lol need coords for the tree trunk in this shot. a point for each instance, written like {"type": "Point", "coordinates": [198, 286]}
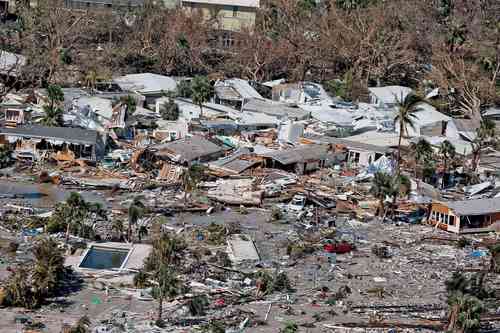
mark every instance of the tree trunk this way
{"type": "Point", "coordinates": [381, 207]}
{"type": "Point", "coordinates": [129, 230]}
{"type": "Point", "coordinates": [453, 317]}
{"type": "Point", "coordinates": [398, 161]}
{"type": "Point", "coordinates": [67, 233]}
{"type": "Point", "coordinates": [185, 196]}
{"type": "Point", "coordinates": [201, 110]}
{"type": "Point", "coordinates": [475, 159]}
{"type": "Point", "coordinates": [445, 167]}
{"type": "Point", "coordinates": [160, 308]}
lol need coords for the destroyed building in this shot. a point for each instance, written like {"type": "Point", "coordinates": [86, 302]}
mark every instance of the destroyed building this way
{"type": "Point", "coordinates": [189, 150]}
{"type": "Point", "coordinates": [35, 142]}
{"type": "Point", "coordinates": [300, 159]}
{"type": "Point", "coordinates": [469, 216]}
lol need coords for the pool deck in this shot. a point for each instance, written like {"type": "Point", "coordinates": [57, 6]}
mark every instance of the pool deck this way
{"type": "Point", "coordinates": [134, 260]}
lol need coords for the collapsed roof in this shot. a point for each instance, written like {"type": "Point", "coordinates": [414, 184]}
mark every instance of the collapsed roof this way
{"type": "Point", "coordinates": [299, 154]}
{"type": "Point", "coordinates": [188, 149]}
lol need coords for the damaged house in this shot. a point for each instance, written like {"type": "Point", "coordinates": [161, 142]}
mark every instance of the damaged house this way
{"type": "Point", "coordinates": [388, 96]}
{"type": "Point", "coordinates": [37, 142]}
{"type": "Point", "coordinates": [189, 150]}
{"type": "Point", "coordinates": [234, 92]}
{"type": "Point", "coordinates": [298, 93]}
{"type": "Point", "coordinates": [240, 160]}
{"type": "Point", "coordinates": [274, 110]}
{"type": "Point", "coordinates": [300, 159]}
{"type": "Point", "coordinates": [357, 153]}
{"type": "Point", "coordinates": [150, 86]}
{"type": "Point", "coordinates": [470, 216]}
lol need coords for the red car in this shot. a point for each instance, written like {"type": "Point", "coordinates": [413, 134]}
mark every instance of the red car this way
{"type": "Point", "coordinates": [338, 248]}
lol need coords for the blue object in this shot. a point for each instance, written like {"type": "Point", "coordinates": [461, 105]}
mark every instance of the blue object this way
{"type": "Point", "coordinates": [478, 253]}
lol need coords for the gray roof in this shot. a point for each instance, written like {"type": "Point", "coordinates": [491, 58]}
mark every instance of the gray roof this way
{"type": "Point", "coordinates": [66, 134]}
{"type": "Point", "coordinates": [234, 163]}
{"type": "Point", "coordinates": [188, 149]}
{"type": "Point", "coordinates": [350, 144]}
{"type": "Point", "coordinates": [466, 125]}
{"type": "Point", "coordinates": [276, 109]}
{"type": "Point", "coordinates": [475, 207]}
{"type": "Point", "coordinates": [235, 89]}
{"type": "Point", "coordinates": [299, 154]}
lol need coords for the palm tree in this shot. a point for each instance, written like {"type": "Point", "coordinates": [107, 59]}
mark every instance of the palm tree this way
{"type": "Point", "coordinates": [53, 111]}
{"type": "Point", "coordinates": [55, 95]}
{"type": "Point", "coordinates": [48, 270]}
{"type": "Point", "coordinates": [167, 286]}
{"type": "Point", "coordinates": [19, 290]}
{"type": "Point", "coordinates": [447, 151]}
{"type": "Point", "coordinates": [401, 186]}
{"type": "Point", "coordinates": [422, 150]}
{"type": "Point", "coordinates": [290, 327]}
{"type": "Point", "coordinates": [117, 228]}
{"type": "Point", "coordinates": [166, 249]}
{"type": "Point", "coordinates": [170, 110]}
{"type": "Point", "coordinates": [465, 313]}
{"type": "Point", "coordinates": [74, 212]}
{"type": "Point", "coordinates": [184, 89]}
{"type": "Point", "coordinates": [52, 117]}
{"type": "Point", "coordinates": [160, 264]}
{"type": "Point", "coordinates": [485, 136]}
{"type": "Point", "coordinates": [381, 188]}
{"type": "Point", "coordinates": [135, 211]}
{"type": "Point", "coordinates": [202, 90]}
{"type": "Point", "coordinates": [141, 279]}
{"type": "Point", "coordinates": [457, 35]}
{"type": "Point", "coordinates": [142, 232]}
{"type": "Point", "coordinates": [190, 178]}
{"type": "Point", "coordinates": [407, 108]}
{"type": "Point", "coordinates": [131, 104]}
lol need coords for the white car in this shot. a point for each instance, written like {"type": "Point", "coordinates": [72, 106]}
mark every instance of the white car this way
{"type": "Point", "coordinates": [298, 203]}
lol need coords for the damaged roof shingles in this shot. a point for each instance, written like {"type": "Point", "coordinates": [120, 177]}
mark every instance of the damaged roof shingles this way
{"type": "Point", "coordinates": [299, 154]}
{"type": "Point", "coordinates": [189, 149]}
{"type": "Point", "coordinates": [234, 163]}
